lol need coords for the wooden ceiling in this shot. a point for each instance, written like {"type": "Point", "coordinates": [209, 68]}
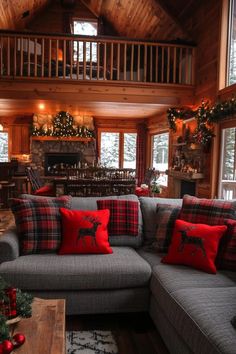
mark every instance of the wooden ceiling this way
{"type": "Point", "coordinates": [144, 19]}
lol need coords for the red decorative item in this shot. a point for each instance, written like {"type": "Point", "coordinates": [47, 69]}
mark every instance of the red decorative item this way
{"type": "Point", "coordinates": [18, 340]}
{"type": "Point", "coordinates": [1, 348]}
{"type": "Point", "coordinates": [8, 308]}
{"type": "Point", "coordinates": [7, 347]}
{"type": "Point", "coordinates": [195, 245]}
{"type": "Point", "coordinates": [84, 231]}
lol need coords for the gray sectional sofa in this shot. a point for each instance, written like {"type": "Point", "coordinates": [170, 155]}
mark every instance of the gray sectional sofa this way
{"type": "Point", "coordinates": [191, 309]}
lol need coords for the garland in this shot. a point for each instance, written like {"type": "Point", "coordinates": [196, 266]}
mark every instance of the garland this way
{"type": "Point", "coordinates": [23, 307]}
{"type": "Point", "coordinates": [63, 126]}
{"type": "Point", "coordinates": [204, 116]}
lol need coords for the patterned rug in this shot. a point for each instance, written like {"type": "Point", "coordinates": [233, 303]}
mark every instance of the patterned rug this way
{"type": "Point", "coordinates": [91, 342]}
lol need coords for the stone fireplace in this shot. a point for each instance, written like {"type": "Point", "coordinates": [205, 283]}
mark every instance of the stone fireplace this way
{"type": "Point", "coordinates": [66, 153]}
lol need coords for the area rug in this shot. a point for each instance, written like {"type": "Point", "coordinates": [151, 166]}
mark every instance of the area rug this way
{"type": "Point", "coordinates": [91, 342]}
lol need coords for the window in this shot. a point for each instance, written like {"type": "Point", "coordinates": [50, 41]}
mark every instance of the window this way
{"type": "Point", "coordinates": [118, 149]}
{"type": "Point", "coordinates": [85, 28]}
{"type": "Point", "coordinates": [227, 179]}
{"type": "Point", "coordinates": [160, 144]}
{"type": "Point", "coordinates": [231, 79]}
{"type": "Point", "coordinates": [3, 146]}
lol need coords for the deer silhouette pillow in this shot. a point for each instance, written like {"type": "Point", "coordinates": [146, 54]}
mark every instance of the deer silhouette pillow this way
{"type": "Point", "coordinates": [84, 232]}
{"type": "Point", "coordinates": [195, 245]}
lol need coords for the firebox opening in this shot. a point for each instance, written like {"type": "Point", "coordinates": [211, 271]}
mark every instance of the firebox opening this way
{"type": "Point", "coordinates": [57, 163]}
{"type": "Point", "coordinates": [187, 187]}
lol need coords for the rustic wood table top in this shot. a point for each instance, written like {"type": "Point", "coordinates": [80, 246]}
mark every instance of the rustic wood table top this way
{"type": "Point", "coordinates": [45, 330]}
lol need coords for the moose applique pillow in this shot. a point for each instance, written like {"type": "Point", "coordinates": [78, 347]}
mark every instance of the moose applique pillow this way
{"type": "Point", "coordinates": [195, 245]}
{"type": "Point", "coordinates": [84, 232]}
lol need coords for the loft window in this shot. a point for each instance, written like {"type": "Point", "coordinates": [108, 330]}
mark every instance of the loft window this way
{"type": "Point", "coordinates": [118, 149]}
{"type": "Point", "coordinates": [160, 152]}
{"type": "Point", "coordinates": [231, 72]}
{"type": "Point", "coordinates": [85, 28]}
{"type": "Point", "coordinates": [3, 146]}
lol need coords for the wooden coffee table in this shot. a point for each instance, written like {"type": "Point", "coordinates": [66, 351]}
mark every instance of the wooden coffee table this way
{"type": "Point", "coordinates": [45, 330]}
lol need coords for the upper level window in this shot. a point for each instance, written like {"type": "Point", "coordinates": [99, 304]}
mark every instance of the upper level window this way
{"type": "Point", "coordinates": [85, 28]}
{"type": "Point", "coordinates": [160, 148]}
{"type": "Point", "coordinates": [118, 149]}
{"type": "Point", "coordinates": [231, 72]}
{"type": "Point", "coordinates": [3, 146]}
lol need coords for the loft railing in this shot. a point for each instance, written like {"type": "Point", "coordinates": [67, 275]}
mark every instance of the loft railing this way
{"type": "Point", "coordinates": [71, 57]}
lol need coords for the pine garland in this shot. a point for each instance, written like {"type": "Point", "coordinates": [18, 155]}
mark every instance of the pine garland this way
{"type": "Point", "coordinates": [63, 126]}
{"type": "Point", "coordinates": [205, 116]}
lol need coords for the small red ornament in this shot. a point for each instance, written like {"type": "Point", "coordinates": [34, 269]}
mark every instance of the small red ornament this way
{"type": "Point", "coordinates": [7, 347]}
{"type": "Point", "coordinates": [1, 348]}
{"type": "Point", "coordinates": [18, 340]}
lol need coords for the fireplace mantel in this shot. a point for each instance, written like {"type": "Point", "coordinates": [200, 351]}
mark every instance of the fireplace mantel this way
{"type": "Point", "coordinates": [54, 138]}
{"type": "Point", "coordinates": [187, 176]}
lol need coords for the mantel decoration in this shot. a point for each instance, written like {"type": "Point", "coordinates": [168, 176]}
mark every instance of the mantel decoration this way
{"type": "Point", "coordinates": [205, 116]}
{"type": "Point", "coordinates": [14, 304]}
{"type": "Point", "coordinates": [63, 125]}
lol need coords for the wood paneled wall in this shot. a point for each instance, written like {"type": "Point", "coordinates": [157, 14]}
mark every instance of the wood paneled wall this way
{"type": "Point", "coordinates": [57, 18]}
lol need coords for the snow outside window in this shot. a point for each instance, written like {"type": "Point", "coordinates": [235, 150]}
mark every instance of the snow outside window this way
{"type": "Point", "coordinates": [227, 178]}
{"type": "Point", "coordinates": [160, 147]}
{"type": "Point", "coordinates": [85, 28]}
{"type": "Point", "coordinates": [111, 146]}
{"type": "Point", "coordinates": [130, 140]}
{"type": "Point", "coordinates": [3, 147]}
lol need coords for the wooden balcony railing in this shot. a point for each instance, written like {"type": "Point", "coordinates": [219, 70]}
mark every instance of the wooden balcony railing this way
{"type": "Point", "coordinates": [71, 57]}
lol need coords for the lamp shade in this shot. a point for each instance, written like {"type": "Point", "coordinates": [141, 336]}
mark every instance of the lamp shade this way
{"type": "Point", "coordinates": [1, 127]}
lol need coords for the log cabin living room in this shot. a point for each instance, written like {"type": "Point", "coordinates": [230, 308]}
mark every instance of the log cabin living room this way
{"type": "Point", "coordinates": [117, 176]}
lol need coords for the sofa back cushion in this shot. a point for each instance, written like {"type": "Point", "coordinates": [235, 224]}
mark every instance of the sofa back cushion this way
{"type": "Point", "coordinates": [38, 223]}
{"type": "Point", "coordinates": [207, 211]}
{"type": "Point", "coordinates": [123, 216]}
{"type": "Point", "coordinates": [149, 213]}
{"type": "Point", "coordinates": [90, 203]}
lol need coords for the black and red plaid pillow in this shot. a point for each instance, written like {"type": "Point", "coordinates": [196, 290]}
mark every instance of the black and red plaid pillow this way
{"type": "Point", "coordinates": [123, 216]}
{"type": "Point", "coordinates": [226, 258]}
{"type": "Point", "coordinates": [207, 211]}
{"type": "Point", "coordinates": [38, 223]}
{"type": "Point", "coordinates": [165, 220]}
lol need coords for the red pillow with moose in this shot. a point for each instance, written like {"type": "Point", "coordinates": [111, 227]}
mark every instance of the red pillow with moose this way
{"type": "Point", "coordinates": [84, 232]}
{"type": "Point", "coordinates": [195, 245]}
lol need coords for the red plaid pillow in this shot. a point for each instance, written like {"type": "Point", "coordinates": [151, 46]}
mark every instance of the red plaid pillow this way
{"type": "Point", "coordinates": [123, 216]}
{"type": "Point", "coordinates": [38, 223]}
{"type": "Point", "coordinates": [207, 211]}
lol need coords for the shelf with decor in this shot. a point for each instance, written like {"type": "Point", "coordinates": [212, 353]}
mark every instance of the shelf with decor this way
{"type": "Point", "coordinates": [189, 176]}
{"type": "Point", "coordinates": [57, 138]}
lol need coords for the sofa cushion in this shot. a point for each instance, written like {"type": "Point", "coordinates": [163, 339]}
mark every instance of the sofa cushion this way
{"type": "Point", "coordinates": [226, 258]}
{"type": "Point", "coordinates": [201, 316]}
{"type": "Point", "coordinates": [207, 211]}
{"type": "Point", "coordinates": [84, 232]}
{"type": "Point", "coordinates": [148, 208]}
{"type": "Point", "coordinates": [195, 245]}
{"type": "Point", "coordinates": [90, 203]}
{"type": "Point", "coordinates": [123, 216]}
{"type": "Point", "coordinates": [38, 223]}
{"type": "Point", "coordinates": [165, 218]}
{"type": "Point", "coordinates": [122, 269]}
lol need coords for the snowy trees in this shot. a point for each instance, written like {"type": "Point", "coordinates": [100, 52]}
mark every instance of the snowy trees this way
{"type": "Point", "coordinates": [110, 149]}
{"type": "Point", "coordinates": [3, 147]}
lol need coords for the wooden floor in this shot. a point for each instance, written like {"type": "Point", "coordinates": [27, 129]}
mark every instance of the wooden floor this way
{"type": "Point", "coordinates": [134, 333]}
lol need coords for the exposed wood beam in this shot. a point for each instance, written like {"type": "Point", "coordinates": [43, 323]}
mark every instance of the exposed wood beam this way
{"type": "Point", "coordinates": [88, 7]}
{"type": "Point", "coordinates": [171, 13]}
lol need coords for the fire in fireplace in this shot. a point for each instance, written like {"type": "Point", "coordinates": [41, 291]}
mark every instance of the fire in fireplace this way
{"type": "Point", "coordinates": [57, 163]}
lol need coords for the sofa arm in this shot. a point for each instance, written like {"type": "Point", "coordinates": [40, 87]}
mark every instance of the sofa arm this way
{"type": "Point", "coordinates": [9, 245]}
